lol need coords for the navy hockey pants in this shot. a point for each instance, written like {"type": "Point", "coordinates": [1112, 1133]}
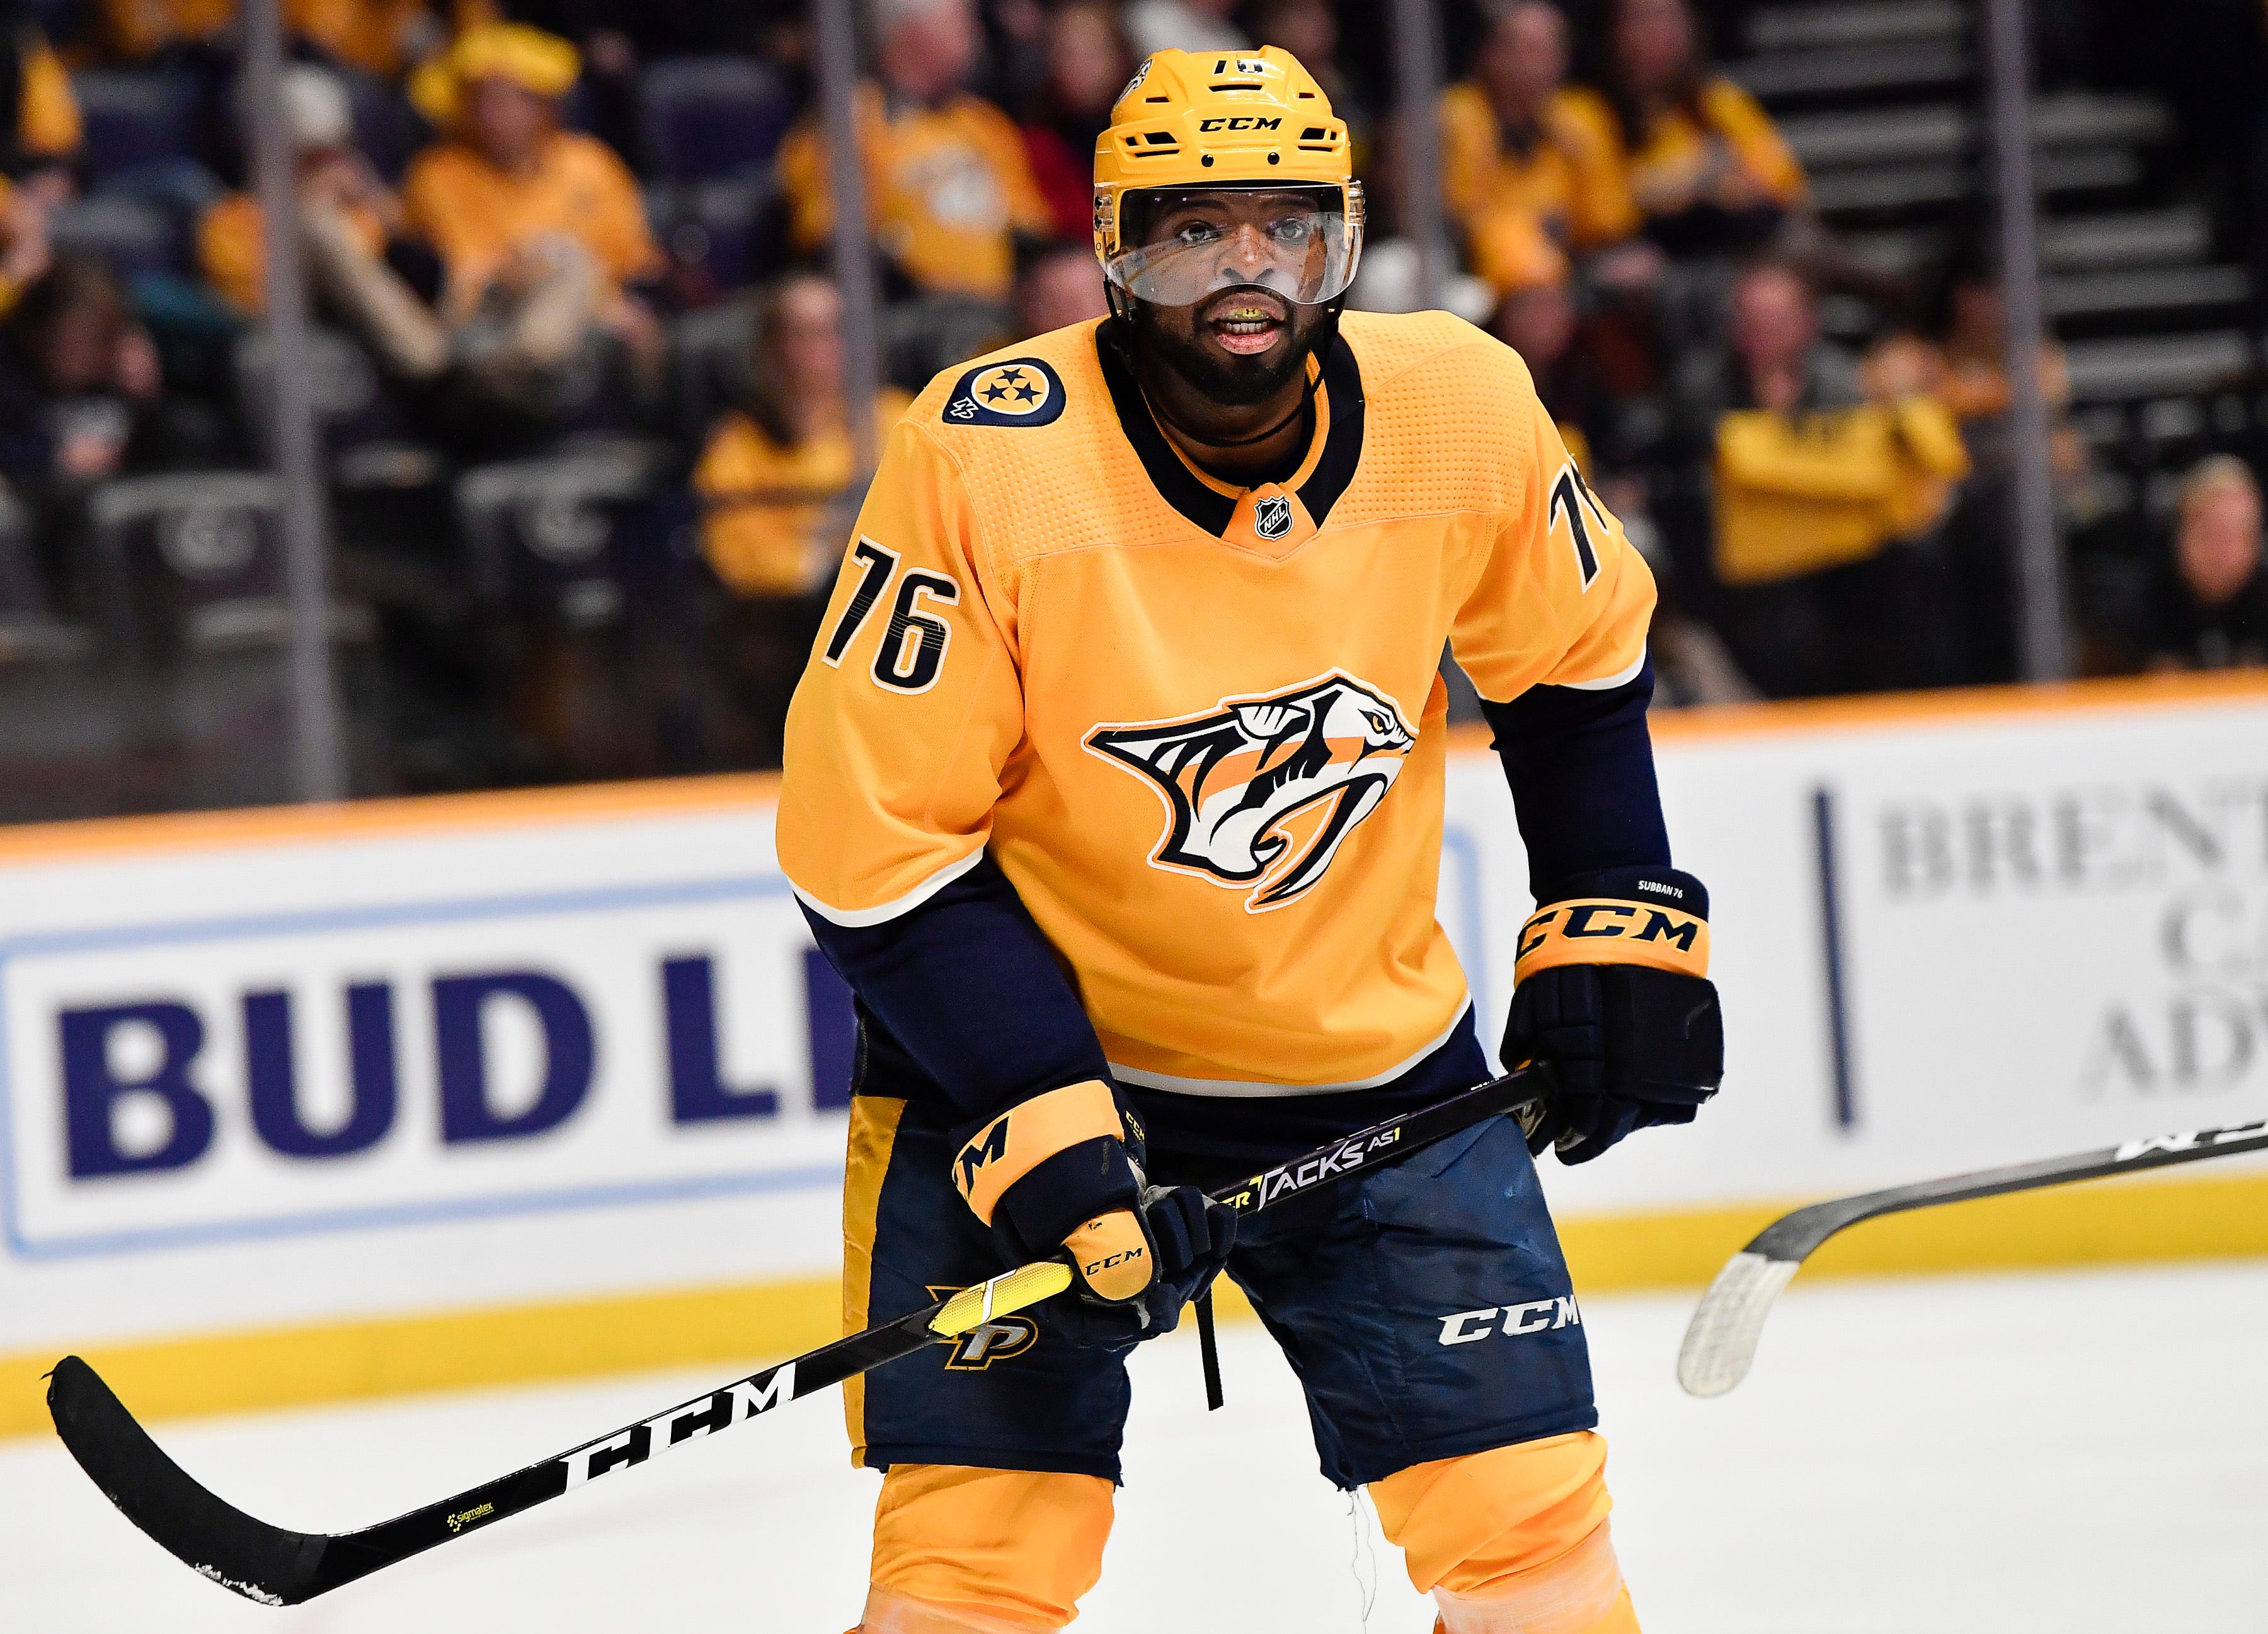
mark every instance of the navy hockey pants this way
{"type": "Point", "coordinates": [1425, 1307]}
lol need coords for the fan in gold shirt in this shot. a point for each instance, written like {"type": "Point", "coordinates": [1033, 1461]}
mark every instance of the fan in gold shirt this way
{"type": "Point", "coordinates": [948, 187]}
{"type": "Point", "coordinates": [772, 469]}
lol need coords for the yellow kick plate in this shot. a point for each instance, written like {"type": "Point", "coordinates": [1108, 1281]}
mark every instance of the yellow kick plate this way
{"type": "Point", "coordinates": [1011, 1290]}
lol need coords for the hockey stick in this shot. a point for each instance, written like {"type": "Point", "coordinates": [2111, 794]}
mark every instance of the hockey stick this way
{"type": "Point", "coordinates": [278, 1567]}
{"type": "Point", "coordinates": [1720, 1340]}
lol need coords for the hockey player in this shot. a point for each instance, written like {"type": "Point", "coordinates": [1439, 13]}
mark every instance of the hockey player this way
{"type": "Point", "coordinates": [1114, 789]}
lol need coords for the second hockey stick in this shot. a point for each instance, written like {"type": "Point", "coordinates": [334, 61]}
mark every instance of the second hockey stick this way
{"type": "Point", "coordinates": [279, 1567]}
{"type": "Point", "coordinates": [1720, 1340]}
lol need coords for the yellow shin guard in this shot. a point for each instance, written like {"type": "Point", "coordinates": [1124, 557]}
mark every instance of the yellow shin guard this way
{"type": "Point", "coordinates": [983, 1551]}
{"type": "Point", "coordinates": [1512, 1541]}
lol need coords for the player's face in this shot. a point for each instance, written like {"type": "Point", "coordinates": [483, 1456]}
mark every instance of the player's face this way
{"type": "Point", "coordinates": [1192, 243]}
{"type": "Point", "coordinates": [1225, 270]}
{"type": "Point", "coordinates": [1239, 348]}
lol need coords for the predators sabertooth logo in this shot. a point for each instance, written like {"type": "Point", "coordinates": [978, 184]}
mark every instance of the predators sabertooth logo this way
{"type": "Point", "coordinates": [995, 1341]}
{"type": "Point", "coordinates": [1263, 791]}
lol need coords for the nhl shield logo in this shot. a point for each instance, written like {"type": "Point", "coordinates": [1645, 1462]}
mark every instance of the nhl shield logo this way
{"type": "Point", "coordinates": [1271, 517]}
{"type": "Point", "coordinates": [1262, 792]}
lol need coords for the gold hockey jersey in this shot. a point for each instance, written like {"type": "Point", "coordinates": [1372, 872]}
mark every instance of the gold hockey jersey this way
{"type": "Point", "coordinates": [1200, 728]}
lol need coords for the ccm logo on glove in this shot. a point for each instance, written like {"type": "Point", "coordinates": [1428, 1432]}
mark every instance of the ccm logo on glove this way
{"type": "Point", "coordinates": [1613, 990]}
{"type": "Point", "coordinates": [1112, 1255]}
{"type": "Point", "coordinates": [1600, 931]}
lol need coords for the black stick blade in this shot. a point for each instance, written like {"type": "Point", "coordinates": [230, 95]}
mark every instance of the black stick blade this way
{"type": "Point", "coordinates": [216, 1540]}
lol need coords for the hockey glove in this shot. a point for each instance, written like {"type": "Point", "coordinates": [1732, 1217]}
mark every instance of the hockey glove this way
{"type": "Point", "coordinates": [1612, 990]}
{"type": "Point", "coordinates": [1061, 1173]}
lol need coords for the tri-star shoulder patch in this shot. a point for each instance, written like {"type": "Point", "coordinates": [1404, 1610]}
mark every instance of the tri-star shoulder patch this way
{"type": "Point", "coordinates": [1022, 391]}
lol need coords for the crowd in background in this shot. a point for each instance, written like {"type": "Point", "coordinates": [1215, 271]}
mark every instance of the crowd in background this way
{"type": "Point", "coordinates": [582, 247]}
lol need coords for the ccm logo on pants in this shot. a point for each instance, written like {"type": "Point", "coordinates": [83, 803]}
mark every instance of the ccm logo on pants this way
{"type": "Point", "coordinates": [1535, 1317]}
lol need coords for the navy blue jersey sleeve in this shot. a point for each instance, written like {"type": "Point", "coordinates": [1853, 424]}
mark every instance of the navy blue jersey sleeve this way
{"type": "Point", "coordinates": [968, 988]}
{"type": "Point", "coordinates": [1582, 768]}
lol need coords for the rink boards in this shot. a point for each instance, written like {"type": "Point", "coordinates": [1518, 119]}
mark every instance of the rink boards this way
{"type": "Point", "coordinates": [302, 1105]}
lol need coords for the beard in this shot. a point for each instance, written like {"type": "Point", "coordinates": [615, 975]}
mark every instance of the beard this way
{"type": "Point", "coordinates": [1225, 377]}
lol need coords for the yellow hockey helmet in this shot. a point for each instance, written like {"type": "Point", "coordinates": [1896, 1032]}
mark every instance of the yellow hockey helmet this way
{"type": "Point", "coordinates": [1218, 121]}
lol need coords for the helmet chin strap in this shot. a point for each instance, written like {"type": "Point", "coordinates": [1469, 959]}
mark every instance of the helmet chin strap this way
{"type": "Point", "coordinates": [1122, 334]}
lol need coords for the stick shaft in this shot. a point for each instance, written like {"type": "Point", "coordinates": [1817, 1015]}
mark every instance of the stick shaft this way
{"type": "Point", "coordinates": [360, 1553]}
{"type": "Point", "coordinates": [1799, 1234]}
{"type": "Point", "coordinates": [1381, 1143]}
{"type": "Point", "coordinates": [277, 1566]}
{"type": "Point", "coordinates": [1384, 1143]}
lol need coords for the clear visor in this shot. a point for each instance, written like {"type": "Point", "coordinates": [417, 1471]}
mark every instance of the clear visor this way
{"type": "Point", "coordinates": [1299, 243]}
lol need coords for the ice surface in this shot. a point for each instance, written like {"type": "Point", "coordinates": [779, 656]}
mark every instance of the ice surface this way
{"type": "Point", "coordinates": [1989, 1455]}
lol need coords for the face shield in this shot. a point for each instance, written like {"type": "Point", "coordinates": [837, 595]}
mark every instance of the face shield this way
{"type": "Point", "coordinates": [1182, 244]}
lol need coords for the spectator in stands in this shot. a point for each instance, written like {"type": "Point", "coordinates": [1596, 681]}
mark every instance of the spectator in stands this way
{"type": "Point", "coordinates": [508, 177]}
{"type": "Point", "coordinates": [947, 185]}
{"type": "Point", "coordinates": [1823, 497]}
{"type": "Point", "coordinates": [1510, 144]}
{"type": "Point", "coordinates": [542, 235]}
{"type": "Point", "coordinates": [1963, 366]}
{"type": "Point", "coordinates": [317, 115]}
{"type": "Point", "coordinates": [1087, 61]}
{"type": "Point", "coordinates": [773, 483]}
{"type": "Point", "coordinates": [79, 373]}
{"type": "Point", "coordinates": [79, 387]}
{"type": "Point", "coordinates": [773, 465]}
{"type": "Point", "coordinates": [615, 38]}
{"type": "Point", "coordinates": [2209, 608]}
{"type": "Point", "coordinates": [1058, 285]}
{"type": "Point", "coordinates": [1691, 158]}
{"type": "Point", "coordinates": [1532, 188]}
{"type": "Point", "coordinates": [1186, 24]}
{"type": "Point", "coordinates": [1971, 340]}
{"type": "Point", "coordinates": [1392, 276]}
